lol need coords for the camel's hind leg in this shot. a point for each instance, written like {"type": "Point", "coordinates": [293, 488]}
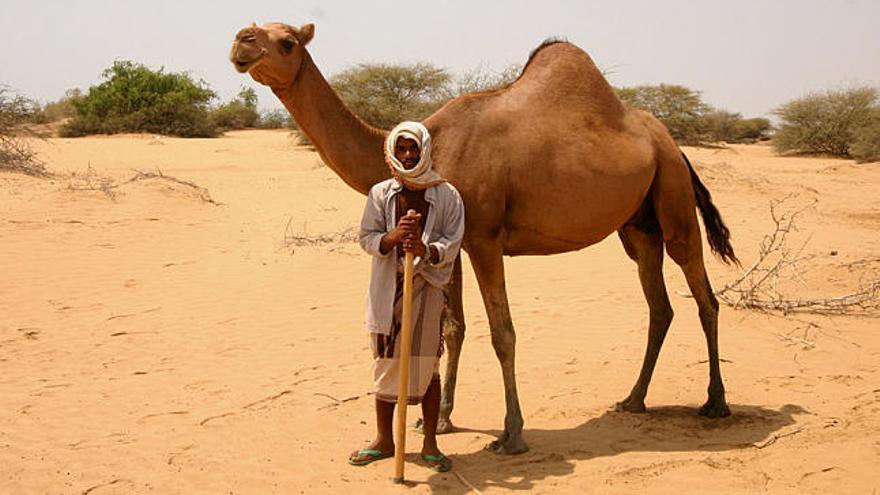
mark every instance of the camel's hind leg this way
{"type": "Point", "coordinates": [698, 282]}
{"type": "Point", "coordinates": [675, 206]}
{"type": "Point", "coordinates": [644, 244]}
{"type": "Point", "coordinates": [453, 335]}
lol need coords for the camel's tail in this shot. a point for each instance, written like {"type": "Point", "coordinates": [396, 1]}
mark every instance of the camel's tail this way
{"type": "Point", "coordinates": [716, 232]}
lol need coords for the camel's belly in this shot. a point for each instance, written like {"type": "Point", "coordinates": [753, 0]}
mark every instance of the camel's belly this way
{"type": "Point", "coordinates": [567, 213]}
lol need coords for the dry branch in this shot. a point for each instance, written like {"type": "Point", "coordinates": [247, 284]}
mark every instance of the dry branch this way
{"type": "Point", "coordinates": [757, 288]}
{"type": "Point", "coordinates": [91, 181]}
{"type": "Point", "coordinates": [16, 153]}
{"type": "Point", "coordinates": [292, 239]}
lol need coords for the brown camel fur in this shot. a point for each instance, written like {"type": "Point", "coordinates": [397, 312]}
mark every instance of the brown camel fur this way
{"type": "Point", "coordinates": [551, 163]}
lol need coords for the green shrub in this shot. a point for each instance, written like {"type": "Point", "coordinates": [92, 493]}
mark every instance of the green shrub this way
{"type": "Point", "coordinates": [134, 98]}
{"type": "Point", "coordinates": [866, 139]}
{"type": "Point", "coordinates": [239, 113]}
{"type": "Point", "coordinates": [826, 122]}
{"type": "Point", "coordinates": [383, 94]}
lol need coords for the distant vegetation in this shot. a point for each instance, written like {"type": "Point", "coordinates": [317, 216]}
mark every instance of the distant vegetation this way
{"type": "Point", "coordinates": [840, 122]}
{"type": "Point", "coordinates": [689, 119]}
{"type": "Point", "coordinates": [134, 98]}
{"type": "Point", "coordinates": [57, 110]}
{"type": "Point", "coordinates": [239, 113]}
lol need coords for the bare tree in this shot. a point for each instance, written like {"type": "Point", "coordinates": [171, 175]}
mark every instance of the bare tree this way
{"type": "Point", "coordinates": [16, 154]}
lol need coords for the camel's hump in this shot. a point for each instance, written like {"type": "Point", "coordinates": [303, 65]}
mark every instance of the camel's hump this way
{"type": "Point", "coordinates": [559, 79]}
{"type": "Point", "coordinates": [561, 74]}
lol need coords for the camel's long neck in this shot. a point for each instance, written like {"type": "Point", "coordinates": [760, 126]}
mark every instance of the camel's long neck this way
{"type": "Point", "coordinates": [353, 149]}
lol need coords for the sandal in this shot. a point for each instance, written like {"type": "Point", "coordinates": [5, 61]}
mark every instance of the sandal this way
{"type": "Point", "coordinates": [438, 463]}
{"type": "Point", "coordinates": [365, 456]}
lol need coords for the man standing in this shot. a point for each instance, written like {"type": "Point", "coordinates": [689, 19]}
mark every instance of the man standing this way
{"type": "Point", "coordinates": [433, 234]}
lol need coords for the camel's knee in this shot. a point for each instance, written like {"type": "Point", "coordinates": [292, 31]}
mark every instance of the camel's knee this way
{"type": "Point", "coordinates": [504, 342]}
{"type": "Point", "coordinates": [453, 333]}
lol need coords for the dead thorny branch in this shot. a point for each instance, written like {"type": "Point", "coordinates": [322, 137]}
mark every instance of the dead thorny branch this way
{"type": "Point", "coordinates": [757, 287]}
{"type": "Point", "coordinates": [302, 238]}
{"type": "Point", "coordinates": [91, 181]}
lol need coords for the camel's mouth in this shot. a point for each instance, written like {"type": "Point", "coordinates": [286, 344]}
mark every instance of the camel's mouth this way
{"type": "Point", "coordinates": [243, 66]}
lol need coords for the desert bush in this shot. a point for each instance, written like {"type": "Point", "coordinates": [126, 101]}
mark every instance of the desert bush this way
{"type": "Point", "coordinates": [730, 127]}
{"type": "Point", "coordinates": [826, 122]}
{"type": "Point", "coordinates": [689, 119]}
{"type": "Point", "coordinates": [16, 111]}
{"type": "Point", "coordinates": [721, 125]}
{"type": "Point", "coordinates": [54, 111]}
{"type": "Point", "coordinates": [681, 109]}
{"type": "Point", "coordinates": [383, 94]}
{"type": "Point", "coordinates": [274, 119]}
{"type": "Point", "coordinates": [754, 129]}
{"type": "Point", "coordinates": [866, 139]}
{"type": "Point", "coordinates": [238, 113]}
{"type": "Point", "coordinates": [134, 98]}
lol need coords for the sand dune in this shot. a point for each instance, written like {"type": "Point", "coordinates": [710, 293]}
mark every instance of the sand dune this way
{"type": "Point", "coordinates": [155, 342]}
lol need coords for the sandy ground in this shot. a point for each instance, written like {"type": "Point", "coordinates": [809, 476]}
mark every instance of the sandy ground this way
{"type": "Point", "coordinates": [154, 342]}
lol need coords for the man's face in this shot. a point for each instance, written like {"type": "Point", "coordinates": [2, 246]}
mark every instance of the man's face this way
{"type": "Point", "coordinates": [407, 152]}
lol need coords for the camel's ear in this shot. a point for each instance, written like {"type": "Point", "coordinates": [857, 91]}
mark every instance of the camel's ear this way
{"type": "Point", "coordinates": [305, 33]}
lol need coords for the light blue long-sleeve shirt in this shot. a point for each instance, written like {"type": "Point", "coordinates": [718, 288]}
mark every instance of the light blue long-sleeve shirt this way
{"type": "Point", "coordinates": [443, 229]}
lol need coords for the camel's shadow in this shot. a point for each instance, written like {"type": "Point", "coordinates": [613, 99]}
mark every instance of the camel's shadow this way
{"type": "Point", "coordinates": [662, 429]}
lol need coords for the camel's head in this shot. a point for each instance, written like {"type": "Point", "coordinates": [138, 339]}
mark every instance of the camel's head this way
{"type": "Point", "coordinates": [271, 53]}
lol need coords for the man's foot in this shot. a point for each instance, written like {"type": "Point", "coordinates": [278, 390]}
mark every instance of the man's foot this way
{"type": "Point", "coordinates": [363, 457]}
{"type": "Point", "coordinates": [376, 450]}
{"type": "Point", "coordinates": [437, 462]}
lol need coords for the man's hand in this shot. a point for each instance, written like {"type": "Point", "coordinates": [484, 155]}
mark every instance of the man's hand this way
{"type": "Point", "coordinates": [412, 244]}
{"type": "Point", "coordinates": [405, 234]}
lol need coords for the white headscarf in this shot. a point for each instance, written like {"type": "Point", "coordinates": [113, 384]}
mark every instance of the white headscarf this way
{"type": "Point", "coordinates": [422, 176]}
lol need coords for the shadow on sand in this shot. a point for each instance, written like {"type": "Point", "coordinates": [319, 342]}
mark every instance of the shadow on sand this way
{"type": "Point", "coordinates": [661, 429]}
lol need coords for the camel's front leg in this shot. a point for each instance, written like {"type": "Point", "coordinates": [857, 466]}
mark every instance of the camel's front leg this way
{"type": "Point", "coordinates": [453, 336]}
{"type": "Point", "coordinates": [488, 263]}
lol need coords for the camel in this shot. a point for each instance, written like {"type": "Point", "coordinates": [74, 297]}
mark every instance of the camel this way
{"type": "Point", "coordinates": [551, 163]}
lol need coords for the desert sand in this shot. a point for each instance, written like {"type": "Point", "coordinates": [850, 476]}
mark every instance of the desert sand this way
{"type": "Point", "coordinates": [152, 341]}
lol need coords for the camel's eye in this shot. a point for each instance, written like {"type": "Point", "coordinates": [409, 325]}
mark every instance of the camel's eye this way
{"type": "Point", "coordinates": [248, 38]}
{"type": "Point", "coordinates": [287, 44]}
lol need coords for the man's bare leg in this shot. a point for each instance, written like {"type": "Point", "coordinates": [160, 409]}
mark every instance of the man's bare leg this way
{"type": "Point", "coordinates": [384, 441]}
{"type": "Point", "coordinates": [430, 413]}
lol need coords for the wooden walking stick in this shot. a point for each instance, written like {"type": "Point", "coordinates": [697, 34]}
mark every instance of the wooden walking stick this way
{"type": "Point", "coordinates": [405, 348]}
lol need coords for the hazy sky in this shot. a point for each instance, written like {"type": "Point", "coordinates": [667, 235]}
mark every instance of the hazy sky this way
{"type": "Point", "coordinates": [746, 56]}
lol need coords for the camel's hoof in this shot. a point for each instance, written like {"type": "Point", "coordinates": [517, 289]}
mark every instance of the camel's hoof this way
{"type": "Point", "coordinates": [508, 445]}
{"type": "Point", "coordinates": [715, 408]}
{"type": "Point", "coordinates": [444, 426]}
{"type": "Point", "coordinates": [631, 406]}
